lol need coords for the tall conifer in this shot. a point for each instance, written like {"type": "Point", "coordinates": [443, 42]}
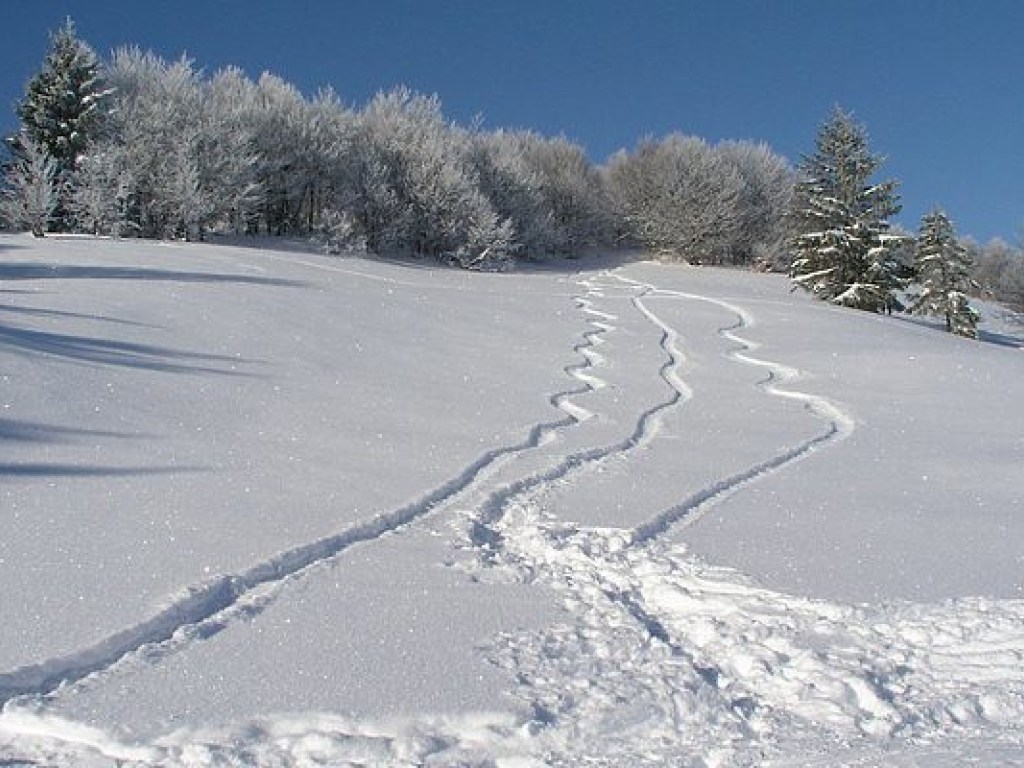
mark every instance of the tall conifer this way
{"type": "Point", "coordinates": [943, 268]}
{"type": "Point", "coordinates": [62, 105]}
{"type": "Point", "coordinates": [843, 250]}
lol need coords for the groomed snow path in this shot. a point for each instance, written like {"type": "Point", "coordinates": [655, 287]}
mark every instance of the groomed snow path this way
{"type": "Point", "coordinates": [268, 508]}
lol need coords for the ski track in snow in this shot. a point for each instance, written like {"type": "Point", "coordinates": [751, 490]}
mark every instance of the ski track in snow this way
{"type": "Point", "coordinates": [666, 656]}
{"type": "Point", "coordinates": [662, 659]}
{"type": "Point", "coordinates": [487, 512]}
{"type": "Point", "coordinates": [205, 609]}
{"type": "Point", "coordinates": [840, 424]}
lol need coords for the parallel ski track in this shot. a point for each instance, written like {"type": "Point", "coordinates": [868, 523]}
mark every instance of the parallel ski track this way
{"type": "Point", "coordinates": [201, 604]}
{"type": "Point", "coordinates": [716, 691]}
{"type": "Point", "coordinates": [840, 425]}
{"type": "Point", "coordinates": [485, 526]}
{"type": "Point", "coordinates": [601, 570]}
{"type": "Point", "coordinates": [205, 601]}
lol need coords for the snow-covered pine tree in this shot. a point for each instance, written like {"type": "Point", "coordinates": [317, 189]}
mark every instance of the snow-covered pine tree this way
{"type": "Point", "coordinates": [61, 110]}
{"type": "Point", "coordinates": [843, 250]}
{"type": "Point", "coordinates": [29, 196]}
{"type": "Point", "coordinates": [943, 268]}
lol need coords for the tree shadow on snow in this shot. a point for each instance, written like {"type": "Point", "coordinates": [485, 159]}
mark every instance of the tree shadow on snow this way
{"type": "Point", "coordinates": [9, 246]}
{"type": "Point", "coordinates": [29, 471]}
{"type": "Point", "coordinates": [84, 349]}
{"type": "Point", "coordinates": [35, 433]}
{"type": "Point", "coordinates": [36, 271]}
{"type": "Point", "coordinates": [6, 247]}
{"type": "Point", "coordinates": [57, 313]}
{"type": "Point", "coordinates": [18, 431]}
{"type": "Point", "coordinates": [1013, 341]}
{"type": "Point", "coordinates": [1001, 339]}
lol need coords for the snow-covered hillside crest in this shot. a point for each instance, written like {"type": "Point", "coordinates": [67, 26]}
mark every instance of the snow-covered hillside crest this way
{"type": "Point", "coordinates": [599, 544]}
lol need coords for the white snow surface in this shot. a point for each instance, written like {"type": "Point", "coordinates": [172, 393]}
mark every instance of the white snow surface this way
{"type": "Point", "coordinates": [275, 508]}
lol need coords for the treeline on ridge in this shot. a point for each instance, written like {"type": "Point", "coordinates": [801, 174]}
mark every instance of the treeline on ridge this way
{"type": "Point", "coordinates": [137, 146]}
{"type": "Point", "coordinates": [154, 148]}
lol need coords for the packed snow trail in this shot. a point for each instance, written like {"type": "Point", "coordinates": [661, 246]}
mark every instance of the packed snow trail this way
{"type": "Point", "coordinates": [667, 656]}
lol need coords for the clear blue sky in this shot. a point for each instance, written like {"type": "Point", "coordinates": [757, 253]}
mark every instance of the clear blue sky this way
{"type": "Point", "coordinates": [937, 82]}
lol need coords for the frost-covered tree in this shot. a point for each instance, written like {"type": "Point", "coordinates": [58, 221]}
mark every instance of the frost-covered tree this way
{"type": "Point", "coordinates": [515, 191]}
{"type": "Point", "coordinates": [415, 185]}
{"type": "Point", "coordinates": [998, 269]}
{"type": "Point", "coordinates": [764, 201]}
{"type": "Point", "coordinates": [943, 270]}
{"type": "Point", "coordinates": [100, 194]}
{"type": "Point", "coordinates": [154, 119]}
{"type": "Point", "coordinates": [181, 154]}
{"type": "Point", "coordinates": [184, 148]}
{"type": "Point", "coordinates": [574, 200]}
{"type": "Point", "coordinates": [843, 251]}
{"type": "Point", "coordinates": [303, 152]}
{"type": "Point", "coordinates": [62, 108]}
{"type": "Point", "coordinates": [30, 193]}
{"type": "Point", "coordinates": [680, 198]}
{"type": "Point", "coordinates": [325, 170]}
{"type": "Point", "coordinates": [277, 118]}
{"type": "Point", "coordinates": [226, 158]}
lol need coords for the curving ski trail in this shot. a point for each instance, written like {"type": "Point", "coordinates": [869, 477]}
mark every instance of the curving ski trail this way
{"type": "Point", "coordinates": [202, 609]}
{"type": "Point", "coordinates": [623, 640]}
{"type": "Point", "coordinates": [688, 511]}
{"type": "Point", "coordinates": [840, 424]}
{"type": "Point", "coordinates": [591, 359]}
{"type": "Point", "coordinates": [664, 656]}
{"type": "Point", "coordinates": [662, 659]}
{"type": "Point", "coordinates": [485, 521]}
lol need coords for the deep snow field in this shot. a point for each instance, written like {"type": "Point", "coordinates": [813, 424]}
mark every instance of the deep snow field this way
{"type": "Point", "coordinates": [277, 508]}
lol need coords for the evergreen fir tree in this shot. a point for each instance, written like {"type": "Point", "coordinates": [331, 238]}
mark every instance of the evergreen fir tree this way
{"type": "Point", "coordinates": [943, 267]}
{"type": "Point", "coordinates": [843, 250]}
{"type": "Point", "coordinates": [62, 105]}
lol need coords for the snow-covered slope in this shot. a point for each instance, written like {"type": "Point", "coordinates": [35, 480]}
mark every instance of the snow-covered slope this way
{"type": "Point", "coordinates": [283, 509]}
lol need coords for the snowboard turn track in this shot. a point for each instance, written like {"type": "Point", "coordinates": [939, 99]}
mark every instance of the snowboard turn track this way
{"type": "Point", "coordinates": [661, 659]}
